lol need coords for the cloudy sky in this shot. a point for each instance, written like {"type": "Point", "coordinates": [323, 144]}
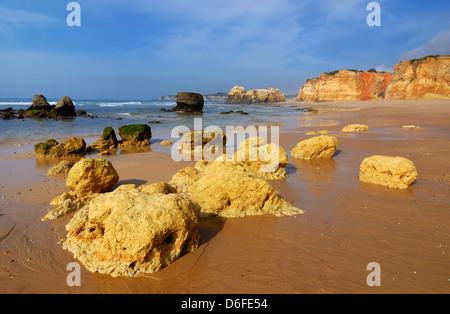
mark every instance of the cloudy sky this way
{"type": "Point", "coordinates": [143, 49]}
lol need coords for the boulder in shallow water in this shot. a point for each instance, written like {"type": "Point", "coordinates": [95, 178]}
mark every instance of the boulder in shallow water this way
{"type": "Point", "coordinates": [135, 135]}
{"type": "Point", "coordinates": [90, 176]}
{"type": "Point", "coordinates": [51, 148]}
{"type": "Point", "coordinates": [129, 232]}
{"type": "Point", "coordinates": [108, 140]}
{"type": "Point", "coordinates": [40, 103]}
{"type": "Point", "coordinates": [392, 172]}
{"type": "Point", "coordinates": [189, 102]}
{"type": "Point", "coordinates": [65, 108]}
{"type": "Point", "coordinates": [317, 147]}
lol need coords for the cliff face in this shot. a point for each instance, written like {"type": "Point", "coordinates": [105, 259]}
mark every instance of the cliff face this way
{"type": "Point", "coordinates": [425, 78]}
{"type": "Point", "coordinates": [308, 91]}
{"type": "Point", "coordinates": [238, 95]}
{"type": "Point", "coordinates": [345, 85]}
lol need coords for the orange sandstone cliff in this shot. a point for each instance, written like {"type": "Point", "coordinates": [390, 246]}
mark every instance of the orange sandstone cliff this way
{"type": "Point", "coordinates": [345, 85]}
{"type": "Point", "coordinates": [425, 78]}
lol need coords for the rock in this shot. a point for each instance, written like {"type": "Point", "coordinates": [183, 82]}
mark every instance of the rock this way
{"type": "Point", "coordinates": [315, 148]}
{"type": "Point", "coordinates": [356, 128]}
{"type": "Point", "coordinates": [135, 135]}
{"type": "Point", "coordinates": [183, 179]}
{"type": "Point", "coordinates": [51, 148]}
{"type": "Point", "coordinates": [166, 143]}
{"type": "Point", "coordinates": [232, 193]}
{"type": "Point", "coordinates": [158, 188]}
{"type": "Point", "coordinates": [189, 102]}
{"type": "Point", "coordinates": [229, 189]}
{"type": "Point", "coordinates": [62, 168]}
{"type": "Point", "coordinates": [67, 203]}
{"type": "Point", "coordinates": [65, 108]}
{"type": "Point", "coordinates": [392, 172]}
{"type": "Point", "coordinates": [127, 233]}
{"type": "Point", "coordinates": [40, 103]}
{"type": "Point", "coordinates": [266, 161]}
{"type": "Point", "coordinates": [43, 148]}
{"type": "Point", "coordinates": [264, 96]}
{"type": "Point", "coordinates": [81, 113]}
{"type": "Point", "coordinates": [108, 140]}
{"type": "Point", "coordinates": [238, 95]}
{"type": "Point", "coordinates": [90, 176]}
{"type": "Point", "coordinates": [425, 78]}
{"type": "Point", "coordinates": [39, 109]}
{"type": "Point", "coordinates": [204, 141]}
{"type": "Point", "coordinates": [7, 115]}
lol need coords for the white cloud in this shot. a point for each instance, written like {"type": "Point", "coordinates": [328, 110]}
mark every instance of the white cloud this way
{"type": "Point", "coordinates": [438, 45]}
{"type": "Point", "coordinates": [12, 19]}
{"type": "Point", "coordinates": [384, 68]}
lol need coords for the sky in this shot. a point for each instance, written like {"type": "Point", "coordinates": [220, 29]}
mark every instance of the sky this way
{"type": "Point", "coordinates": [144, 49]}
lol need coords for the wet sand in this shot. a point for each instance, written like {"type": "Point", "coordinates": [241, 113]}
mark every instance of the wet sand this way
{"type": "Point", "coordinates": [347, 225]}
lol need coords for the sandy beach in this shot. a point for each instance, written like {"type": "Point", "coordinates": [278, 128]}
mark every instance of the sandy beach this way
{"type": "Point", "coordinates": [347, 224]}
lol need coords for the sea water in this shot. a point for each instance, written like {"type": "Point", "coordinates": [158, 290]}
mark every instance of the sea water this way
{"type": "Point", "coordinates": [117, 113]}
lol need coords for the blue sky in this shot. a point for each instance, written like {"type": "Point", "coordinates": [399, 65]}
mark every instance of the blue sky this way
{"type": "Point", "coordinates": [143, 49]}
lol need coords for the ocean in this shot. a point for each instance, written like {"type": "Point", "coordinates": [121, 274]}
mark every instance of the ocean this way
{"type": "Point", "coordinates": [117, 113]}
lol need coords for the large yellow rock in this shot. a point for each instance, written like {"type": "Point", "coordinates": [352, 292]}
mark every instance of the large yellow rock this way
{"type": "Point", "coordinates": [392, 172]}
{"type": "Point", "coordinates": [73, 147]}
{"type": "Point", "coordinates": [229, 189]}
{"type": "Point", "coordinates": [90, 176]}
{"type": "Point", "coordinates": [266, 161]}
{"type": "Point", "coordinates": [232, 194]}
{"type": "Point", "coordinates": [183, 179]}
{"type": "Point", "coordinates": [210, 142]}
{"type": "Point", "coordinates": [316, 148]}
{"type": "Point", "coordinates": [129, 232]}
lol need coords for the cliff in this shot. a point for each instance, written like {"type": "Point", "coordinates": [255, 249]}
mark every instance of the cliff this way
{"type": "Point", "coordinates": [238, 95]}
{"type": "Point", "coordinates": [425, 78]}
{"type": "Point", "coordinates": [345, 85]}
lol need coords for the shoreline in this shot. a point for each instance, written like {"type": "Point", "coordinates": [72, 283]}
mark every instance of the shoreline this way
{"type": "Point", "coordinates": [347, 224]}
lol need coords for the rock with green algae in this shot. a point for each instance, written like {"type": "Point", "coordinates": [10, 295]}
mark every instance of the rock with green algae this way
{"type": "Point", "coordinates": [135, 135]}
{"type": "Point", "coordinates": [107, 140]}
{"type": "Point", "coordinates": [51, 148]}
